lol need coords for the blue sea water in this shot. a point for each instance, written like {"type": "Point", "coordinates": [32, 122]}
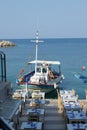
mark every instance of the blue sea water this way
{"type": "Point", "coordinates": [70, 52]}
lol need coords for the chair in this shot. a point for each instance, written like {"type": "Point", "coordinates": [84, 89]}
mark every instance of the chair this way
{"type": "Point", "coordinates": [77, 97]}
{"type": "Point", "coordinates": [37, 96]}
{"type": "Point", "coordinates": [73, 92]}
{"type": "Point", "coordinates": [36, 91]}
{"type": "Point", "coordinates": [35, 105]}
{"type": "Point", "coordinates": [83, 122]}
{"type": "Point", "coordinates": [86, 112]}
{"type": "Point", "coordinates": [33, 117]}
{"type": "Point", "coordinates": [29, 128]}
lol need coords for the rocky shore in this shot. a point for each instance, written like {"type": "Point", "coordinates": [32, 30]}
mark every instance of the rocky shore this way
{"type": "Point", "coordinates": [4, 43]}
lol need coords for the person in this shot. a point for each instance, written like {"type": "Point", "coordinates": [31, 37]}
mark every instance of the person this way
{"type": "Point", "coordinates": [51, 75]}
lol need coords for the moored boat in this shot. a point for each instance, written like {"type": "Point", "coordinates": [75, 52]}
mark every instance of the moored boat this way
{"type": "Point", "coordinates": [80, 76]}
{"type": "Point", "coordinates": [44, 77]}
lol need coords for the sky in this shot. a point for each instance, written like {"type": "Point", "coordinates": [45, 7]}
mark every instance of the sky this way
{"type": "Point", "coordinates": [52, 18]}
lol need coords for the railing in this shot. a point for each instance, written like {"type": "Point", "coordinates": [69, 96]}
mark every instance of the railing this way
{"type": "Point", "coordinates": [2, 67]}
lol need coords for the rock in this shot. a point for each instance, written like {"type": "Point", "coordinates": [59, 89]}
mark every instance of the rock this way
{"type": "Point", "coordinates": [4, 43]}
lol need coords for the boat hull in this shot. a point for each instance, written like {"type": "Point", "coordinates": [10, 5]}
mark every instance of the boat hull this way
{"type": "Point", "coordinates": [52, 85]}
{"type": "Point", "coordinates": [42, 88]}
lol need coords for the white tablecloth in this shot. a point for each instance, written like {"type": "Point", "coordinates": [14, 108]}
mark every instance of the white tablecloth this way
{"type": "Point", "coordinates": [76, 116]}
{"type": "Point", "coordinates": [39, 111]}
{"type": "Point", "coordinates": [75, 126]}
{"type": "Point", "coordinates": [37, 125]}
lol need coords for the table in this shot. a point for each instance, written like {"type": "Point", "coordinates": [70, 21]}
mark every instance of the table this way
{"type": "Point", "coordinates": [72, 105]}
{"type": "Point", "coordinates": [37, 125]}
{"type": "Point", "coordinates": [39, 111]}
{"type": "Point", "coordinates": [69, 98]}
{"type": "Point", "coordinates": [38, 95]}
{"type": "Point", "coordinates": [20, 94]}
{"type": "Point", "coordinates": [41, 101]}
{"type": "Point", "coordinates": [37, 102]}
{"type": "Point", "coordinates": [76, 126]}
{"type": "Point", "coordinates": [66, 92]}
{"type": "Point", "coordinates": [76, 116]}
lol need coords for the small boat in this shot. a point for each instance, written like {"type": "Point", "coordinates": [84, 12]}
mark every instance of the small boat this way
{"type": "Point", "coordinates": [44, 76]}
{"type": "Point", "coordinates": [80, 76]}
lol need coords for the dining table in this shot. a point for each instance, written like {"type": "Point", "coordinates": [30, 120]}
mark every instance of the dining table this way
{"type": "Point", "coordinates": [37, 125]}
{"type": "Point", "coordinates": [76, 116]}
{"type": "Point", "coordinates": [72, 105]}
{"type": "Point", "coordinates": [39, 102]}
{"type": "Point", "coordinates": [77, 126]}
{"type": "Point", "coordinates": [38, 95]}
{"type": "Point", "coordinates": [69, 98]}
{"type": "Point", "coordinates": [41, 112]}
{"type": "Point", "coordinates": [66, 92]}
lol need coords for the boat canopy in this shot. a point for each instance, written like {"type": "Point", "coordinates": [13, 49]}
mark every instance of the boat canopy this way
{"type": "Point", "coordinates": [44, 62]}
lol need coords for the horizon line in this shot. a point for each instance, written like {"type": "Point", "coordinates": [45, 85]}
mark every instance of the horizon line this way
{"type": "Point", "coordinates": [48, 38]}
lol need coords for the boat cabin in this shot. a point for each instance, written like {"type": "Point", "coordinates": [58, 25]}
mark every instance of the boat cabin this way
{"type": "Point", "coordinates": [41, 74]}
{"type": "Point", "coordinates": [44, 72]}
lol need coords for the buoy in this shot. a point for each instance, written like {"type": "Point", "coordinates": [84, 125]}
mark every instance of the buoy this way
{"type": "Point", "coordinates": [83, 67]}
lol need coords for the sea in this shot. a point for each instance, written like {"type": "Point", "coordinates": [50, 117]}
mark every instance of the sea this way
{"type": "Point", "coordinates": [71, 52]}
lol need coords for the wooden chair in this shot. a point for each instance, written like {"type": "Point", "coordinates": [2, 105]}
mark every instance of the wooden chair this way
{"type": "Point", "coordinates": [35, 105]}
{"type": "Point", "coordinates": [73, 92]}
{"type": "Point", "coordinates": [37, 96]}
{"type": "Point", "coordinates": [33, 117]}
{"type": "Point", "coordinates": [36, 91]}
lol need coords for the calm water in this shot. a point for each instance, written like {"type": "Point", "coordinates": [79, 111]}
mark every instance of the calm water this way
{"type": "Point", "coordinates": [70, 52]}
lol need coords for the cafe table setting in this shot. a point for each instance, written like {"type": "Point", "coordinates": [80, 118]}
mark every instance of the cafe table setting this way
{"type": "Point", "coordinates": [36, 125]}
{"type": "Point", "coordinates": [76, 116]}
{"type": "Point", "coordinates": [77, 126]}
{"type": "Point", "coordinates": [66, 92]}
{"type": "Point", "coordinates": [39, 111]}
{"type": "Point", "coordinates": [37, 102]}
{"type": "Point", "coordinates": [71, 105]}
{"type": "Point", "coordinates": [69, 98]}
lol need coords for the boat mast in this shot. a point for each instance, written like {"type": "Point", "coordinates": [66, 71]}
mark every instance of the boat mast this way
{"type": "Point", "coordinates": [36, 51]}
{"type": "Point", "coordinates": [36, 55]}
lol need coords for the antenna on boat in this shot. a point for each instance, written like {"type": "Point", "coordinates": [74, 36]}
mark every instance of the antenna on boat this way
{"type": "Point", "coordinates": [36, 55]}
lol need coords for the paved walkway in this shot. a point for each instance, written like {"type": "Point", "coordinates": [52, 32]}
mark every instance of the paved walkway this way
{"type": "Point", "coordinates": [54, 119]}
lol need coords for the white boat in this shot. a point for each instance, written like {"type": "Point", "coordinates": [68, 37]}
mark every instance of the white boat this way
{"type": "Point", "coordinates": [44, 76]}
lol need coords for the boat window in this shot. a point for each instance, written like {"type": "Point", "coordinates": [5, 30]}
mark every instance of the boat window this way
{"type": "Point", "coordinates": [44, 70]}
{"type": "Point", "coordinates": [38, 70]}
